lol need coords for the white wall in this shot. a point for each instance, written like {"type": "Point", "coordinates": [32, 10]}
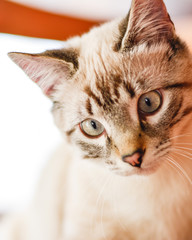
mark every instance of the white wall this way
{"type": "Point", "coordinates": [101, 9]}
{"type": "Point", "coordinates": [27, 133]}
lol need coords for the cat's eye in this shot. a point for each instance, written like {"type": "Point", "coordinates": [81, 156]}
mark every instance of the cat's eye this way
{"type": "Point", "coordinates": [150, 102]}
{"type": "Point", "coordinates": [92, 128]}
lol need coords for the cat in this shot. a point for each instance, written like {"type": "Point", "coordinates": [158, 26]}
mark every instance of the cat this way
{"type": "Point", "coordinates": [122, 98]}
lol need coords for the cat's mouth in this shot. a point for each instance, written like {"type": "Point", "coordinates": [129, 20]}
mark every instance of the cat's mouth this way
{"type": "Point", "coordinates": [147, 169]}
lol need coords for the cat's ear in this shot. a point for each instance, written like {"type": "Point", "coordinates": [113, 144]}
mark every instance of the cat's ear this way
{"type": "Point", "coordinates": [148, 22]}
{"type": "Point", "coordinates": [47, 69]}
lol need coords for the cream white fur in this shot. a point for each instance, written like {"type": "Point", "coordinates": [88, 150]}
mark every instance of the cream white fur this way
{"type": "Point", "coordinates": [92, 203]}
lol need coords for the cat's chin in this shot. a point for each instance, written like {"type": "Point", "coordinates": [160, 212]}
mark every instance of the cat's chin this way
{"type": "Point", "coordinates": [143, 171]}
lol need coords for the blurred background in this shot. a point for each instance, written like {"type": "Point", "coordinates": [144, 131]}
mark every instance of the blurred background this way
{"type": "Point", "coordinates": [28, 136]}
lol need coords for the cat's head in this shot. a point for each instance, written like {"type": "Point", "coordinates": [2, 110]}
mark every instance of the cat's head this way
{"type": "Point", "coordinates": [122, 92]}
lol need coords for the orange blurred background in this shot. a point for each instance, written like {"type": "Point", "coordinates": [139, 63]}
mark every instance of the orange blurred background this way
{"type": "Point", "coordinates": [21, 20]}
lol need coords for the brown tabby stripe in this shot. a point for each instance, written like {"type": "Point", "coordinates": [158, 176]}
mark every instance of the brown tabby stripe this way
{"type": "Point", "coordinates": [108, 146]}
{"type": "Point", "coordinates": [109, 91]}
{"type": "Point", "coordinates": [186, 112]}
{"type": "Point", "coordinates": [129, 89]}
{"type": "Point", "coordinates": [68, 55]}
{"type": "Point", "coordinates": [57, 105]}
{"type": "Point", "coordinates": [107, 101]}
{"type": "Point", "coordinates": [177, 108]}
{"type": "Point", "coordinates": [93, 96]}
{"type": "Point", "coordinates": [116, 84]}
{"type": "Point", "coordinates": [162, 149]}
{"type": "Point", "coordinates": [104, 88]}
{"type": "Point", "coordinates": [163, 142]}
{"type": "Point", "coordinates": [169, 117]}
{"type": "Point", "coordinates": [165, 122]}
{"type": "Point", "coordinates": [89, 107]}
{"type": "Point", "coordinates": [179, 85]}
{"type": "Point", "coordinates": [68, 133]}
{"type": "Point", "coordinates": [91, 157]}
{"type": "Point", "coordinates": [176, 45]}
{"type": "Point", "coordinates": [92, 150]}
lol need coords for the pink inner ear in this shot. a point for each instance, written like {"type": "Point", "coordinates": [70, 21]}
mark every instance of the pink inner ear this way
{"type": "Point", "coordinates": [47, 72]}
{"type": "Point", "coordinates": [40, 70]}
{"type": "Point", "coordinates": [24, 65]}
{"type": "Point", "coordinates": [32, 69]}
{"type": "Point", "coordinates": [49, 90]}
{"type": "Point", "coordinates": [36, 80]}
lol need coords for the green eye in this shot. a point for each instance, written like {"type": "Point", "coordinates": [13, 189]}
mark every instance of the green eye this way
{"type": "Point", "coordinates": [150, 102]}
{"type": "Point", "coordinates": [92, 128]}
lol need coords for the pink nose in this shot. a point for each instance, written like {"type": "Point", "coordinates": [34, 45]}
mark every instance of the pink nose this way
{"type": "Point", "coordinates": [134, 159]}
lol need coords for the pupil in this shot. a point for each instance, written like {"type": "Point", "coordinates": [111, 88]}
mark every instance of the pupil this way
{"type": "Point", "coordinates": [94, 125]}
{"type": "Point", "coordinates": [148, 102]}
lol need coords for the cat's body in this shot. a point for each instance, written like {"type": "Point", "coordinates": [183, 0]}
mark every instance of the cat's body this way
{"type": "Point", "coordinates": [94, 206]}
{"type": "Point", "coordinates": [123, 98]}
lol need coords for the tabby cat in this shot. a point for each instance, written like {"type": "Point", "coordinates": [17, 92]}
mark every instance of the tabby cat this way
{"type": "Point", "coordinates": [122, 98]}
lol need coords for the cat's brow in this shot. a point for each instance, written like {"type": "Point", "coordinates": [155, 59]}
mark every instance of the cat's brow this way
{"type": "Point", "coordinates": [178, 85]}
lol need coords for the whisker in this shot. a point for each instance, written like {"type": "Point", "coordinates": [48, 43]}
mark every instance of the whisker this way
{"type": "Point", "coordinates": [182, 153]}
{"type": "Point", "coordinates": [93, 181]}
{"type": "Point", "coordinates": [169, 161]}
{"type": "Point", "coordinates": [102, 214]}
{"type": "Point", "coordinates": [102, 209]}
{"type": "Point", "coordinates": [115, 204]}
{"type": "Point", "coordinates": [182, 135]}
{"type": "Point", "coordinates": [183, 143]}
{"type": "Point", "coordinates": [98, 201]}
{"type": "Point", "coordinates": [164, 154]}
{"type": "Point", "coordinates": [181, 169]}
{"type": "Point", "coordinates": [185, 148]}
{"type": "Point", "coordinates": [107, 181]}
{"type": "Point", "coordinates": [103, 188]}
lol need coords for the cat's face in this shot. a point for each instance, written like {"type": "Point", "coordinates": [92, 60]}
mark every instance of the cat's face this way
{"type": "Point", "coordinates": [131, 105]}
{"type": "Point", "coordinates": [121, 94]}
